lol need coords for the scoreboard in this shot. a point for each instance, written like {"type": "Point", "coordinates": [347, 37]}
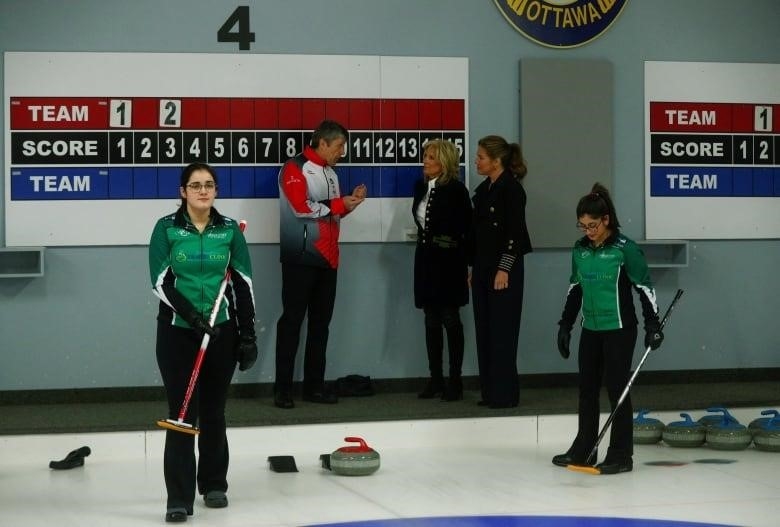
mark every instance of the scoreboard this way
{"type": "Point", "coordinates": [712, 150]}
{"type": "Point", "coordinates": [121, 151]}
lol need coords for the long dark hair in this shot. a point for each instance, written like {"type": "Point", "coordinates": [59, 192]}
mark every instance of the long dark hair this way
{"type": "Point", "coordinates": [598, 204]}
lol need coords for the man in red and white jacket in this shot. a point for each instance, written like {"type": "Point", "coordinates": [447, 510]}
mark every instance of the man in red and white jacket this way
{"type": "Point", "coordinates": [310, 209]}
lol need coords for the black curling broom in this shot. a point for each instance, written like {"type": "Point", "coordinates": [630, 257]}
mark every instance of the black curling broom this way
{"type": "Point", "coordinates": [178, 424]}
{"type": "Point", "coordinates": [591, 459]}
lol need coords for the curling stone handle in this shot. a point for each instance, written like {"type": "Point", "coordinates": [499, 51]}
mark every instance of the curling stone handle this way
{"type": "Point", "coordinates": [352, 439]}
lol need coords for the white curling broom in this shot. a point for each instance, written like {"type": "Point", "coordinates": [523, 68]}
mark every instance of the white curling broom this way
{"type": "Point", "coordinates": [178, 424]}
{"type": "Point", "coordinates": [589, 468]}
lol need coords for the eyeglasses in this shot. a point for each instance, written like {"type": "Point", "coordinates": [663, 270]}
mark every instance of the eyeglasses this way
{"type": "Point", "coordinates": [589, 227]}
{"type": "Point", "coordinates": [197, 187]}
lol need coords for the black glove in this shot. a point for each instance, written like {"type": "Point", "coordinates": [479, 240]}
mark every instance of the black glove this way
{"type": "Point", "coordinates": [653, 334]}
{"type": "Point", "coordinates": [564, 337]}
{"type": "Point", "coordinates": [246, 352]}
{"type": "Point", "coordinates": [200, 325]}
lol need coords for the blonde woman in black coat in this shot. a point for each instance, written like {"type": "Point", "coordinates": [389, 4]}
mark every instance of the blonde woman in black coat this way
{"type": "Point", "coordinates": [442, 211]}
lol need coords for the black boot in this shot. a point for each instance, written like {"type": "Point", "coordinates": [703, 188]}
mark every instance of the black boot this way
{"type": "Point", "coordinates": [434, 344]}
{"type": "Point", "coordinates": [454, 389]}
{"type": "Point", "coordinates": [455, 345]}
{"type": "Point", "coordinates": [434, 388]}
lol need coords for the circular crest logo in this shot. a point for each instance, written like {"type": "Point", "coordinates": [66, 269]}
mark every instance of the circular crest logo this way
{"type": "Point", "coordinates": [561, 23]}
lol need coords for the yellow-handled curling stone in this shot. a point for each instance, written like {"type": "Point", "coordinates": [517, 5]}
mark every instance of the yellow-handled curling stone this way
{"type": "Point", "coordinates": [354, 460]}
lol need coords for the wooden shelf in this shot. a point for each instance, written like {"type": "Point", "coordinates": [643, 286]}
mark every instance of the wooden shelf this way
{"type": "Point", "coordinates": [21, 262]}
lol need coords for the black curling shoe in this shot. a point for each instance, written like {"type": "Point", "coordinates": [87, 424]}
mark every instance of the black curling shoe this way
{"type": "Point", "coordinates": [615, 467]}
{"type": "Point", "coordinates": [176, 515]}
{"type": "Point", "coordinates": [564, 460]}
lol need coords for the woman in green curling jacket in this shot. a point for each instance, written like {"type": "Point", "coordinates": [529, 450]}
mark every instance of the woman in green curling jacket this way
{"type": "Point", "coordinates": [189, 253]}
{"type": "Point", "coordinates": [605, 267]}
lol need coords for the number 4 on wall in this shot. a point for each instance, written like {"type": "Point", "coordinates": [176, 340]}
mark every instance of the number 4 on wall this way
{"type": "Point", "coordinates": [243, 36]}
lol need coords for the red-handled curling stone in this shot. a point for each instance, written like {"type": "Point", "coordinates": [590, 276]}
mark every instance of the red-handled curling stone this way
{"type": "Point", "coordinates": [359, 460]}
{"type": "Point", "coordinates": [647, 431]}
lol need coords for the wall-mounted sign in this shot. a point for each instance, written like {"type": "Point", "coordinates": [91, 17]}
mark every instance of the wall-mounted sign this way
{"type": "Point", "coordinates": [561, 23]}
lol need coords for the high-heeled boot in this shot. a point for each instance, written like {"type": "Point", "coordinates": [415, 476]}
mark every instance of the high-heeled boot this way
{"type": "Point", "coordinates": [434, 343]}
{"type": "Point", "coordinates": [455, 344]}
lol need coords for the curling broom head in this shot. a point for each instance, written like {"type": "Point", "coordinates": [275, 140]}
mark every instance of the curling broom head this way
{"type": "Point", "coordinates": [585, 469]}
{"type": "Point", "coordinates": [178, 426]}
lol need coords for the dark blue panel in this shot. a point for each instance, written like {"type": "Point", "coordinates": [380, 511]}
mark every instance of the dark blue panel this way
{"type": "Point", "coordinates": [364, 175]}
{"type": "Point", "coordinates": [224, 180]}
{"type": "Point", "coordinates": [168, 182]}
{"type": "Point", "coordinates": [762, 182]}
{"type": "Point", "coordinates": [743, 182]}
{"type": "Point", "coordinates": [145, 183]}
{"type": "Point", "coordinates": [59, 183]}
{"type": "Point", "coordinates": [387, 181]}
{"type": "Point", "coordinates": [407, 176]}
{"type": "Point", "coordinates": [267, 182]}
{"type": "Point", "coordinates": [120, 183]}
{"type": "Point", "coordinates": [776, 177]}
{"type": "Point", "coordinates": [242, 181]}
{"type": "Point", "coordinates": [343, 175]}
{"type": "Point", "coordinates": [690, 181]}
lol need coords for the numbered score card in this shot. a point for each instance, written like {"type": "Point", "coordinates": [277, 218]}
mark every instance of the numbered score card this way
{"type": "Point", "coordinates": [712, 150]}
{"type": "Point", "coordinates": [95, 142]}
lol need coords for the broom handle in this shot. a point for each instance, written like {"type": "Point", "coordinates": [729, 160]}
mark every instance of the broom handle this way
{"type": "Point", "coordinates": [630, 382]}
{"type": "Point", "coordinates": [206, 338]}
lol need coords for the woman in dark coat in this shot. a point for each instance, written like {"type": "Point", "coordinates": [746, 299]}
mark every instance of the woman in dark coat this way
{"type": "Point", "coordinates": [442, 212]}
{"type": "Point", "coordinates": [498, 242]}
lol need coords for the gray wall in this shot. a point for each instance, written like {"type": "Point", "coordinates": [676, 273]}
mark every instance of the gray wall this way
{"type": "Point", "coordinates": [89, 322]}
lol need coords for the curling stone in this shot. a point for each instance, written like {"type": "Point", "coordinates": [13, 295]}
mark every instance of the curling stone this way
{"type": "Point", "coordinates": [687, 433]}
{"type": "Point", "coordinates": [760, 422]}
{"type": "Point", "coordinates": [767, 437]}
{"type": "Point", "coordinates": [647, 431]}
{"type": "Point", "coordinates": [728, 435]}
{"type": "Point", "coordinates": [360, 460]}
{"type": "Point", "coordinates": [718, 413]}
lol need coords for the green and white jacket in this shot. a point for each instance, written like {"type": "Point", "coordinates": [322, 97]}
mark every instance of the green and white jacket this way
{"type": "Point", "coordinates": [187, 267]}
{"type": "Point", "coordinates": [601, 282]}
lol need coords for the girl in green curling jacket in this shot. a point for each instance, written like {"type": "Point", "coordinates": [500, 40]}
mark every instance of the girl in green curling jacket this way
{"type": "Point", "coordinates": [189, 254]}
{"type": "Point", "coordinates": [606, 266]}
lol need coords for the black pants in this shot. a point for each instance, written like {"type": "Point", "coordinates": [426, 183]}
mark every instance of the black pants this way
{"type": "Point", "coordinates": [606, 354]}
{"type": "Point", "coordinates": [436, 318]}
{"type": "Point", "coordinates": [497, 316]}
{"type": "Point", "coordinates": [306, 291]}
{"type": "Point", "coordinates": [176, 351]}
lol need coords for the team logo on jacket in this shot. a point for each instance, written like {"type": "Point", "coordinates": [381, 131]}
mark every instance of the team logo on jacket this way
{"type": "Point", "coordinates": [561, 23]}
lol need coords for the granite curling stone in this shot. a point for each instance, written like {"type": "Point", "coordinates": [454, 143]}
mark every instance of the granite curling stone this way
{"type": "Point", "coordinates": [728, 435]}
{"type": "Point", "coordinates": [767, 437]}
{"type": "Point", "coordinates": [756, 424]}
{"type": "Point", "coordinates": [717, 414]}
{"type": "Point", "coordinates": [359, 460]}
{"type": "Point", "coordinates": [685, 434]}
{"type": "Point", "coordinates": [647, 431]}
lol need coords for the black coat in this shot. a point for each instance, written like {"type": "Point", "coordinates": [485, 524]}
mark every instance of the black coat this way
{"type": "Point", "coordinates": [499, 234]}
{"type": "Point", "coordinates": [440, 270]}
